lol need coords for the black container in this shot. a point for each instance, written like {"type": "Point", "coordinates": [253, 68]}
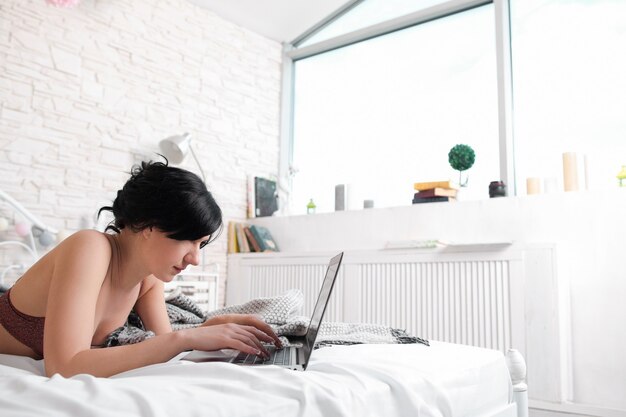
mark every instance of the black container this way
{"type": "Point", "coordinates": [497, 189]}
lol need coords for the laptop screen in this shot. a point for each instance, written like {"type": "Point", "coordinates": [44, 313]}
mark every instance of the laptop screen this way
{"type": "Point", "coordinates": [322, 302]}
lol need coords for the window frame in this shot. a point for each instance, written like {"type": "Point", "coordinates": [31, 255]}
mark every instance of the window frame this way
{"type": "Point", "coordinates": [291, 54]}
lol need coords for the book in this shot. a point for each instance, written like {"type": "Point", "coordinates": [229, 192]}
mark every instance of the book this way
{"type": "Point", "coordinates": [243, 238]}
{"type": "Point", "coordinates": [251, 209]}
{"type": "Point", "coordinates": [264, 238]}
{"type": "Point", "coordinates": [419, 186]}
{"type": "Point", "coordinates": [413, 244]}
{"type": "Point", "coordinates": [444, 244]}
{"type": "Point", "coordinates": [477, 245]}
{"type": "Point", "coordinates": [233, 247]}
{"type": "Point", "coordinates": [436, 192]}
{"type": "Point", "coordinates": [265, 197]}
{"type": "Point", "coordinates": [253, 243]}
{"type": "Point", "coordinates": [417, 200]}
{"type": "Point", "coordinates": [242, 241]}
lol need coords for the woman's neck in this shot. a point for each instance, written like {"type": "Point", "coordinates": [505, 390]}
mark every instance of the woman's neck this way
{"type": "Point", "coordinates": [129, 269]}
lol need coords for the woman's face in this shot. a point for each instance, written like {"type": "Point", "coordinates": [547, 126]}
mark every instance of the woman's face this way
{"type": "Point", "coordinates": [169, 257]}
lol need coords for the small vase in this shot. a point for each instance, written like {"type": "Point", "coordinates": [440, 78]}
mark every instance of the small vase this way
{"type": "Point", "coordinates": [461, 182]}
{"type": "Point", "coordinates": [497, 189]}
{"type": "Point", "coordinates": [621, 176]}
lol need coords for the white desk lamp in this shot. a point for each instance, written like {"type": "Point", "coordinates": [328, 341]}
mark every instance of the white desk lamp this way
{"type": "Point", "coordinates": [175, 149]}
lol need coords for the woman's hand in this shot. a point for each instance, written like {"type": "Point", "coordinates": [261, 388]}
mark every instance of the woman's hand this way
{"type": "Point", "coordinates": [242, 337]}
{"type": "Point", "coordinates": [246, 320]}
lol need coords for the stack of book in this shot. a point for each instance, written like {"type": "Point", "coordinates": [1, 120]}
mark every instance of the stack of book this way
{"type": "Point", "coordinates": [434, 191]}
{"type": "Point", "coordinates": [250, 238]}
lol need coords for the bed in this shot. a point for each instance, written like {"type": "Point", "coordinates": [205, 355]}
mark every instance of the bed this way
{"type": "Point", "coordinates": [443, 379]}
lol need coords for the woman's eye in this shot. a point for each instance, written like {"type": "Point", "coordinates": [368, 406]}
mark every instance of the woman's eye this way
{"type": "Point", "coordinates": [203, 243]}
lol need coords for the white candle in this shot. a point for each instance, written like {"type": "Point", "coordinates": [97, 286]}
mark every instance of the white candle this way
{"type": "Point", "coordinates": [533, 185]}
{"type": "Point", "coordinates": [570, 172]}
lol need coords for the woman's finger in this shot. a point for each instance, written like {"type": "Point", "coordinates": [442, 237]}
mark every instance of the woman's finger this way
{"type": "Point", "coordinates": [250, 320]}
{"type": "Point", "coordinates": [267, 329]}
{"type": "Point", "coordinates": [260, 334]}
{"type": "Point", "coordinates": [243, 347]}
{"type": "Point", "coordinates": [250, 339]}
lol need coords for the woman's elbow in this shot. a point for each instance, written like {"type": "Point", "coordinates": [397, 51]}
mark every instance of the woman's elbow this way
{"type": "Point", "coordinates": [64, 371]}
{"type": "Point", "coordinates": [61, 367]}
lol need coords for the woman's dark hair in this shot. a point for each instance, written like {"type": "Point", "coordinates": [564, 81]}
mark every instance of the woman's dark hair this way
{"type": "Point", "coordinates": [173, 200]}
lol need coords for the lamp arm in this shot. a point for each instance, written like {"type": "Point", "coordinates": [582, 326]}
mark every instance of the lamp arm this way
{"type": "Point", "coordinates": [197, 162]}
{"type": "Point", "coordinates": [28, 248]}
{"type": "Point", "coordinates": [17, 206]}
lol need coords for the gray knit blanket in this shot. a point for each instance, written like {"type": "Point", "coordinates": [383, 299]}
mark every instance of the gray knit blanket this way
{"type": "Point", "coordinates": [282, 313]}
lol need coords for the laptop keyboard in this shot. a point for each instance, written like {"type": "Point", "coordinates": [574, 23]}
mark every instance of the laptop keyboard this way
{"type": "Point", "coordinates": [277, 357]}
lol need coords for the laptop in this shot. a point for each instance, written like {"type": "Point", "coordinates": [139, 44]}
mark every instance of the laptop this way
{"type": "Point", "coordinates": [294, 357]}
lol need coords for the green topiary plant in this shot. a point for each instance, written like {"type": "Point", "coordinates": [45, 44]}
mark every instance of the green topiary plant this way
{"type": "Point", "coordinates": [461, 158]}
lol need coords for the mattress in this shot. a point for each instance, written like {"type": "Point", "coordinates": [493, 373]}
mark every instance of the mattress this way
{"type": "Point", "coordinates": [363, 380]}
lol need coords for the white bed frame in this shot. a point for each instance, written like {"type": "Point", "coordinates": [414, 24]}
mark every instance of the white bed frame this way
{"type": "Point", "coordinates": [470, 294]}
{"type": "Point", "coordinates": [517, 369]}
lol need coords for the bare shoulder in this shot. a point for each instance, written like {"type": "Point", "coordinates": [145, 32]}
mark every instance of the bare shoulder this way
{"type": "Point", "coordinates": [78, 264]}
{"type": "Point", "coordinates": [87, 239]}
{"type": "Point", "coordinates": [83, 252]}
{"type": "Point", "coordinates": [89, 247]}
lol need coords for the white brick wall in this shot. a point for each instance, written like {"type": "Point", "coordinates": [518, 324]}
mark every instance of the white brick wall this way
{"type": "Point", "coordinates": [87, 92]}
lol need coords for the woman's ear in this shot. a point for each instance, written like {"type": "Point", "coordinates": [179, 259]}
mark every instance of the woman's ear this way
{"type": "Point", "coordinates": [147, 232]}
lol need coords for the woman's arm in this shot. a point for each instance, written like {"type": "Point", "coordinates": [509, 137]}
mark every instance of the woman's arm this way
{"type": "Point", "coordinates": [150, 306]}
{"type": "Point", "coordinates": [79, 272]}
{"type": "Point", "coordinates": [113, 360]}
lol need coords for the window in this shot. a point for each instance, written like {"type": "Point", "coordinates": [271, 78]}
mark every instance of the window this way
{"type": "Point", "coordinates": [569, 73]}
{"type": "Point", "coordinates": [367, 13]}
{"type": "Point", "coordinates": [382, 114]}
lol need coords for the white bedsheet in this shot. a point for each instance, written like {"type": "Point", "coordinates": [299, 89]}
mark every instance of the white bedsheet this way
{"type": "Point", "coordinates": [363, 380]}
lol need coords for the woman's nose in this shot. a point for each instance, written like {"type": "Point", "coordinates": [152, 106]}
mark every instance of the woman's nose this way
{"type": "Point", "coordinates": [193, 257]}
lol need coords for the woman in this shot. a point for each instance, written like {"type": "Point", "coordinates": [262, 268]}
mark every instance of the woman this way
{"type": "Point", "coordinates": [67, 303]}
